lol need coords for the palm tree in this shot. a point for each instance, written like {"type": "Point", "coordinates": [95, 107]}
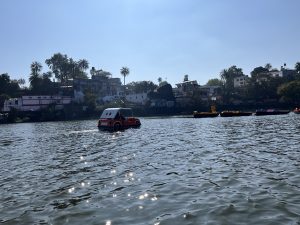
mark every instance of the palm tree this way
{"type": "Point", "coordinates": [124, 71]}
{"type": "Point", "coordinates": [36, 68]}
{"type": "Point", "coordinates": [83, 64]}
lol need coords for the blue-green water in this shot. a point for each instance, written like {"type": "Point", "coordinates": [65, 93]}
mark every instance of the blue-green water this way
{"type": "Point", "coordinates": [243, 170]}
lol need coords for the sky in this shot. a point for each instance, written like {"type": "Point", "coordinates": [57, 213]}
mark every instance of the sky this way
{"type": "Point", "coordinates": [153, 38]}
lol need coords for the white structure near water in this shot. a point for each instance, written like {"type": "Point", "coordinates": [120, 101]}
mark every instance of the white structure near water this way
{"type": "Point", "coordinates": [240, 81]}
{"type": "Point", "coordinates": [137, 98]}
{"type": "Point", "coordinates": [36, 103]}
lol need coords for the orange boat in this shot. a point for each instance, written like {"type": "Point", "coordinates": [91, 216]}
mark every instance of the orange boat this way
{"type": "Point", "coordinates": [205, 114]}
{"type": "Point", "coordinates": [296, 110]}
{"type": "Point", "coordinates": [212, 113]}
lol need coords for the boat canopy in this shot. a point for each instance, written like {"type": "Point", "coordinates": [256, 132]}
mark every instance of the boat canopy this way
{"type": "Point", "coordinates": [110, 113]}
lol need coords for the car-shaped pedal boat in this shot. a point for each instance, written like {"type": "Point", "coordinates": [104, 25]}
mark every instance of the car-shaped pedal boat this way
{"type": "Point", "coordinates": [115, 119]}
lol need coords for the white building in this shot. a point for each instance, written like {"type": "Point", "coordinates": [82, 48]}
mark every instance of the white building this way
{"type": "Point", "coordinates": [101, 85]}
{"type": "Point", "coordinates": [209, 92]}
{"type": "Point", "coordinates": [136, 98]}
{"type": "Point", "coordinates": [186, 88]}
{"type": "Point", "coordinates": [139, 98]}
{"type": "Point", "coordinates": [240, 81]}
{"type": "Point", "coordinates": [35, 103]}
{"type": "Point", "coordinates": [266, 76]}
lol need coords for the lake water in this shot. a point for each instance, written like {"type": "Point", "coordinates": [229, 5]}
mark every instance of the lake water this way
{"type": "Point", "coordinates": [243, 170]}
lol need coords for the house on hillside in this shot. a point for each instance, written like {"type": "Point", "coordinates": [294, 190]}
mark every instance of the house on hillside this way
{"type": "Point", "coordinates": [186, 88]}
{"type": "Point", "coordinates": [102, 85]}
{"type": "Point", "coordinates": [137, 98]}
{"type": "Point", "coordinates": [240, 81]}
{"type": "Point", "coordinates": [210, 93]}
{"type": "Point", "coordinates": [184, 92]}
{"type": "Point", "coordinates": [266, 76]}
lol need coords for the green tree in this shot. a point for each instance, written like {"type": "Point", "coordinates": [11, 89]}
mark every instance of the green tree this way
{"type": "Point", "coordinates": [59, 64]}
{"type": "Point", "coordinates": [258, 70]}
{"type": "Point", "coordinates": [4, 82]}
{"type": "Point", "coordinates": [35, 76]}
{"type": "Point", "coordinates": [82, 65]}
{"type": "Point", "coordinates": [163, 83]}
{"type": "Point", "coordinates": [9, 87]}
{"type": "Point", "coordinates": [65, 68]}
{"type": "Point", "coordinates": [40, 83]}
{"type": "Point", "coordinates": [125, 72]}
{"type": "Point", "coordinates": [227, 77]}
{"type": "Point", "coordinates": [290, 92]}
{"type": "Point", "coordinates": [214, 82]}
{"type": "Point", "coordinates": [21, 82]}
{"type": "Point", "coordinates": [163, 92]}
{"type": "Point", "coordinates": [141, 86]}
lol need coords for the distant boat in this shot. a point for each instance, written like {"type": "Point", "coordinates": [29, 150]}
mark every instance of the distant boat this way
{"type": "Point", "coordinates": [212, 113]}
{"type": "Point", "coordinates": [205, 114]}
{"type": "Point", "coordinates": [297, 110]}
{"type": "Point", "coordinates": [234, 113]}
{"type": "Point", "coordinates": [264, 112]}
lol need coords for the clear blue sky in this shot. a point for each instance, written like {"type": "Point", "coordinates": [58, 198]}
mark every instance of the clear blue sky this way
{"type": "Point", "coordinates": [154, 38]}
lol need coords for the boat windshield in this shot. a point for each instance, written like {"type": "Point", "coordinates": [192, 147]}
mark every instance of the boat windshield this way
{"type": "Point", "coordinates": [126, 112]}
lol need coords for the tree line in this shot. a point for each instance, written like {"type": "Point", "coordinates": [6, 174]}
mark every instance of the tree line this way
{"type": "Point", "coordinates": [260, 87]}
{"type": "Point", "coordinates": [63, 69]}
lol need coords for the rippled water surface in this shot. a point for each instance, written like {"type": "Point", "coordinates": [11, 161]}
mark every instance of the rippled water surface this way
{"type": "Point", "coordinates": [243, 170]}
